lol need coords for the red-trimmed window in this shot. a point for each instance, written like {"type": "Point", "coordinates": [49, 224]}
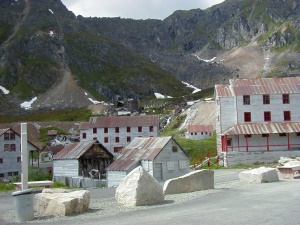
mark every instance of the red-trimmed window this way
{"type": "Point", "coordinates": [117, 149]}
{"type": "Point", "coordinates": [6, 136]}
{"type": "Point", "coordinates": [105, 139]}
{"type": "Point", "coordinates": [246, 99]}
{"type": "Point", "coordinates": [286, 99]}
{"type": "Point", "coordinates": [18, 159]}
{"type": "Point", "coordinates": [128, 139]}
{"type": "Point", "coordinates": [13, 147]}
{"type": "Point", "coordinates": [105, 130]}
{"type": "Point", "coordinates": [117, 139]}
{"type": "Point", "coordinates": [151, 129]}
{"type": "Point", "coordinates": [267, 116]}
{"type": "Point", "coordinates": [247, 116]}
{"type": "Point", "coordinates": [95, 130]}
{"type": "Point", "coordinates": [266, 99]}
{"type": "Point", "coordinates": [128, 129]}
{"type": "Point", "coordinates": [83, 135]}
{"type": "Point", "coordinates": [140, 129]}
{"type": "Point", "coordinates": [117, 130]}
{"type": "Point", "coordinates": [287, 116]}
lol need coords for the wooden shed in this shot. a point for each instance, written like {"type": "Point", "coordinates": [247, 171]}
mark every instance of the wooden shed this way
{"type": "Point", "coordinates": [162, 157]}
{"type": "Point", "coordinates": [85, 159]}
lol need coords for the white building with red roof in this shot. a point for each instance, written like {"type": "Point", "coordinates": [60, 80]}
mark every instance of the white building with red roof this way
{"type": "Point", "coordinates": [258, 120]}
{"type": "Point", "coordinates": [200, 131]}
{"type": "Point", "coordinates": [116, 132]}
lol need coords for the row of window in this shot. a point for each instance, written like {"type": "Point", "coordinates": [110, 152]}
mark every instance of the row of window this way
{"type": "Point", "coordinates": [267, 135]}
{"type": "Point", "coordinates": [266, 99]}
{"type": "Point", "coordinates": [117, 129]}
{"type": "Point", "coordinates": [9, 147]}
{"type": "Point", "coordinates": [202, 133]}
{"type": "Point", "coordinates": [18, 160]}
{"type": "Point", "coordinates": [267, 116]}
{"type": "Point", "coordinates": [10, 174]}
{"type": "Point", "coordinates": [9, 136]}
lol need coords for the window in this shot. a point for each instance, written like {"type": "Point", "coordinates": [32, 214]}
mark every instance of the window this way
{"type": "Point", "coordinates": [1, 160]}
{"type": "Point", "coordinates": [117, 139]}
{"type": "Point", "coordinates": [170, 165]}
{"type": "Point", "coordinates": [9, 173]}
{"type": "Point", "coordinates": [128, 129]}
{"type": "Point", "coordinates": [298, 134]}
{"type": "Point", "coordinates": [246, 99]}
{"type": "Point", "coordinates": [6, 136]}
{"type": "Point", "coordinates": [285, 99]}
{"type": "Point", "coordinates": [287, 116]}
{"type": "Point", "coordinates": [151, 129]}
{"type": "Point", "coordinates": [174, 148]}
{"type": "Point", "coordinates": [139, 129]}
{"type": "Point", "coordinates": [117, 130]}
{"type": "Point", "coordinates": [12, 136]}
{"type": "Point", "coordinates": [18, 159]}
{"type": "Point", "coordinates": [248, 135]}
{"type": "Point", "coordinates": [195, 133]}
{"type": "Point", "coordinates": [192, 133]}
{"type": "Point", "coordinates": [6, 147]}
{"type": "Point", "coordinates": [128, 139]}
{"type": "Point", "coordinates": [105, 139]}
{"type": "Point", "coordinates": [267, 116]}
{"type": "Point", "coordinates": [182, 164]}
{"type": "Point", "coordinates": [84, 135]}
{"type": "Point", "coordinates": [94, 130]}
{"type": "Point", "coordinates": [265, 135]}
{"type": "Point", "coordinates": [106, 130]}
{"type": "Point", "coordinates": [266, 99]}
{"type": "Point", "coordinates": [15, 173]}
{"type": "Point", "coordinates": [13, 147]}
{"type": "Point", "coordinates": [1, 174]}
{"type": "Point", "coordinates": [229, 141]}
{"type": "Point", "coordinates": [117, 149]}
{"type": "Point", "coordinates": [247, 116]}
{"type": "Point", "coordinates": [282, 135]}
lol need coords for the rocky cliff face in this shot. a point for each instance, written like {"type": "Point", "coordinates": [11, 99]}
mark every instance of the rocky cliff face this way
{"type": "Point", "coordinates": [41, 42]}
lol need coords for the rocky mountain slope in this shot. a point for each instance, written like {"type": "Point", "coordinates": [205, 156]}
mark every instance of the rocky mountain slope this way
{"type": "Point", "coordinates": [64, 60]}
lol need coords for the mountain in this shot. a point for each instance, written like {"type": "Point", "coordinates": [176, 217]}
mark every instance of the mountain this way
{"type": "Point", "coordinates": [64, 60]}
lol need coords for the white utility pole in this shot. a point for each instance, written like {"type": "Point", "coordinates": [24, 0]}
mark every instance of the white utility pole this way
{"type": "Point", "coordinates": [24, 159]}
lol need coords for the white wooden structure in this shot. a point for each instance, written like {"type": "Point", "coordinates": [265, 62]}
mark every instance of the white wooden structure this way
{"type": "Point", "coordinates": [10, 153]}
{"type": "Point", "coordinates": [162, 157]}
{"type": "Point", "coordinates": [116, 132]}
{"type": "Point", "coordinates": [257, 116]}
{"type": "Point", "coordinates": [198, 132]}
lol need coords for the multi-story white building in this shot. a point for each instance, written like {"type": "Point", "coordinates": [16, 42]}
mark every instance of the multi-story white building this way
{"type": "Point", "coordinates": [258, 120]}
{"type": "Point", "coordinates": [10, 153]}
{"type": "Point", "coordinates": [116, 132]}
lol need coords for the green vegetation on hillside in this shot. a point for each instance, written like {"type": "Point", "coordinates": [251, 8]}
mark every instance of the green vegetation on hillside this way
{"type": "Point", "coordinates": [81, 114]}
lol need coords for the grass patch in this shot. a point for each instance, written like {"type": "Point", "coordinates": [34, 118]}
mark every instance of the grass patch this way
{"type": "Point", "coordinates": [6, 186]}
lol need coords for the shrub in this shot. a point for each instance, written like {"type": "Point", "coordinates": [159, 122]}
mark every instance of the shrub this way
{"type": "Point", "coordinates": [58, 185]}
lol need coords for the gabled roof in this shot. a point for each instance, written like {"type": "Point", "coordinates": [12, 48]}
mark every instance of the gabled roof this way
{"type": "Point", "coordinates": [259, 128]}
{"type": "Point", "coordinates": [200, 128]}
{"type": "Point", "coordinates": [255, 86]}
{"type": "Point", "coordinates": [140, 149]}
{"type": "Point", "coordinates": [120, 121]}
{"type": "Point", "coordinates": [54, 149]}
{"type": "Point", "coordinates": [76, 150]}
{"type": "Point", "coordinates": [3, 131]}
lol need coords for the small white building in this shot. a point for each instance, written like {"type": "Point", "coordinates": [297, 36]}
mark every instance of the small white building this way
{"type": "Point", "coordinates": [258, 120]}
{"type": "Point", "coordinates": [198, 132]}
{"type": "Point", "coordinates": [116, 132]}
{"type": "Point", "coordinates": [162, 157]}
{"type": "Point", "coordinates": [10, 153]}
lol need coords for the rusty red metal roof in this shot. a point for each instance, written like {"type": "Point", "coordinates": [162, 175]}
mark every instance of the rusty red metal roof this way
{"type": "Point", "coordinates": [253, 86]}
{"type": "Point", "coordinates": [223, 90]}
{"type": "Point", "coordinates": [2, 131]}
{"type": "Point", "coordinates": [200, 128]}
{"type": "Point", "coordinates": [54, 149]}
{"type": "Point", "coordinates": [259, 128]}
{"type": "Point", "coordinates": [75, 150]}
{"type": "Point", "coordinates": [139, 149]}
{"type": "Point", "coordinates": [278, 85]}
{"type": "Point", "coordinates": [120, 121]}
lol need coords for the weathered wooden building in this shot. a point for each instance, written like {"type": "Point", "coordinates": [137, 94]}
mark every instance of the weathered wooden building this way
{"type": "Point", "coordinates": [162, 157]}
{"type": "Point", "coordinates": [115, 132]}
{"type": "Point", "coordinates": [198, 132]}
{"type": "Point", "coordinates": [79, 160]}
{"type": "Point", "coordinates": [10, 153]}
{"type": "Point", "coordinates": [258, 120]}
